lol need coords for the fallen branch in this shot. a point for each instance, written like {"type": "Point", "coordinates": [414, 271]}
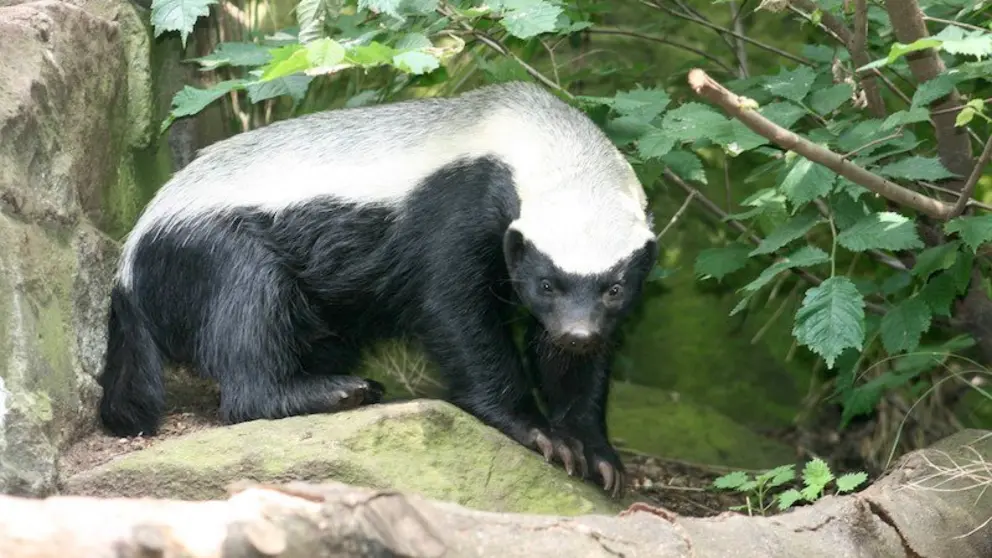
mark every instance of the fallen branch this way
{"type": "Point", "coordinates": [925, 508]}
{"type": "Point", "coordinates": [737, 106]}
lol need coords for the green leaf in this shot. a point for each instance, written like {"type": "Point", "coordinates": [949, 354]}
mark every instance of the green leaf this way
{"type": "Point", "coordinates": [178, 15]}
{"type": "Point", "coordinates": [930, 91]}
{"type": "Point", "coordinates": [825, 101]}
{"type": "Point", "coordinates": [324, 54]}
{"type": "Point", "coordinates": [641, 103]}
{"type": "Point", "coordinates": [779, 475]}
{"type": "Point", "coordinates": [831, 319]}
{"type": "Point", "coordinates": [372, 54]}
{"type": "Point", "coordinates": [904, 117]}
{"type": "Point", "coordinates": [881, 231]}
{"type": "Point", "coordinates": [788, 498]}
{"type": "Point", "coordinates": [234, 54]}
{"type": "Point", "coordinates": [312, 14]}
{"type": "Point", "coordinates": [847, 212]}
{"type": "Point", "coordinates": [731, 481]}
{"type": "Point", "coordinates": [853, 190]}
{"type": "Point", "coordinates": [792, 85]}
{"type": "Point", "coordinates": [916, 168]}
{"type": "Point", "coordinates": [656, 143]}
{"type": "Point", "coordinates": [792, 229]}
{"type": "Point", "coordinates": [899, 49]}
{"type": "Point", "coordinates": [974, 231]}
{"type": "Point", "coordinates": [685, 164]}
{"type": "Point", "coordinates": [904, 324]}
{"type": "Point", "coordinates": [935, 258]}
{"type": "Point", "coordinates": [939, 293]}
{"type": "Point", "coordinates": [286, 61]}
{"type": "Point", "coordinates": [190, 100]}
{"type": "Point", "coordinates": [850, 481]}
{"type": "Point", "coordinates": [817, 475]}
{"type": "Point", "coordinates": [415, 62]}
{"type": "Point", "coordinates": [528, 18]}
{"type": "Point", "coordinates": [977, 43]}
{"type": "Point", "coordinates": [390, 7]}
{"type": "Point", "coordinates": [692, 121]}
{"type": "Point", "coordinates": [717, 263]}
{"type": "Point", "coordinates": [806, 256]}
{"type": "Point", "coordinates": [807, 181]}
{"type": "Point", "coordinates": [295, 86]}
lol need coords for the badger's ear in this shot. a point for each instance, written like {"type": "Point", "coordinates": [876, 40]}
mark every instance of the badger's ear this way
{"type": "Point", "coordinates": [513, 247]}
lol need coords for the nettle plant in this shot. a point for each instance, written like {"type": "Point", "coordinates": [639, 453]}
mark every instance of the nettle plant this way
{"type": "Point", "coordinates": [864, 150]}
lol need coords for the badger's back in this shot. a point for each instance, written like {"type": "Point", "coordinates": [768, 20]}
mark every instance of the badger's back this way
{"type": "Point", "coordinates": [377, 155]}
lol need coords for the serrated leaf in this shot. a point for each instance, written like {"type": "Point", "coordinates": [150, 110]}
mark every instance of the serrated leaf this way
{"type": "Point", "coordinates": [973, 230]}
{"type": "Point", "coordinates": [935, 258]}
{"type": "Point", "coordinates": [792, 229]}
{"type": "Point", "coordinates": [178, 15]}
{"type": "Point", "coordinates": [390, 7]}
{"type": "Point", "coordinates": [413, 41]}
{"type": "Point", "coordinates": [717, 263]}
{"type": "Point", "coordinates": [964, 117]}
{"type": "Point", "coordinates": [415, 62]}
{"type": "Point", "coordinates": [904, 117]}
{"type": "Point", "coordinates": [788, 498]}
{"type": "Point", "coordinates": [825, 101]}
{"type": "Point", "coordinates": [817, 474]}
{"type": "Point", "coordinates": [780, 475]}
{"type": "Point", "coordinates": [955, 40]}
{"type": "Point", "coordinates": [904, 324]}
{"type": "Point", "coordinates": [850, 481]}
{"type": "Point", "coordinates": [792, 85]}
{"type": "Point", "coordinates": [190, 100]}
{"type": "Point", "coordinates": [803, 257]}
{"type": "Point", "coordinates": [641, 103]}
{"type": "Point", "coordinates": [692, 121]}
{"type": "Point", "coordinates": [831, 319]}
{"type": "Point", "coordinates": [295, 86]}
{"type": "Point", "coordinates": [881, 231]}
{"type": "Point", "coordinates": [528, 18]}
{"type": "Point", "coordinates": [656, 143]}
{"type": "Point", "coordinates": [854, 191]}
{"type": "Point", "coordinates": [731, 481]}
{"type": "Point", "coordinates": [312, 14]}
{"type": "Point", "coordinates": [847, 212]}
{"type": "Point", "coordinates": [234, 54]}
{"type": "Point", "coordinates": [747, 486]}
{"type": "Point", "coordinates": [939, 293]}
{"type": "Point", "coordinates": [807, 181]}
{"type": "Point", "coordinates": [930, 91]}
{"type": "Point", "coordinates": [685, 164]}
{"type": "Point", "coordinates": [916, 167]}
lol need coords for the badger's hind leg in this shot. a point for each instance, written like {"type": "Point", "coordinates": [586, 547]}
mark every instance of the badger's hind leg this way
{"type": "Point", "coordinates": [252, 345]}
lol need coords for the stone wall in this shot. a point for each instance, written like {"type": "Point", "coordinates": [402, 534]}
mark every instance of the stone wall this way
{"type": "Point", "coordinates": [79, 156]}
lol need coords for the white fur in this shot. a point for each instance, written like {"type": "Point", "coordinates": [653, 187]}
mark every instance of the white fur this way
{"type": "Point", "coordinates": [581, 203]}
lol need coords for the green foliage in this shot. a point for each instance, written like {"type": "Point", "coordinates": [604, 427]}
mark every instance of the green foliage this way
{"type": "Point", "coordinates": [178, 15]}
{"type": "Point", "coordinates": [764, 490]}
{"type": "Point", "coordinates": [881, 231]}
{"type": "Point", "coordinates": [974, 231]}
{"type": "Point", "coordinates": [831, 318]}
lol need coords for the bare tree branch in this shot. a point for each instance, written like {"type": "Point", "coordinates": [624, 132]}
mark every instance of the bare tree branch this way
{"type": "Point", "coordinates": [976, 174]}
{"type": "Point", "coordinates": [715, 27]}
{"type": "Point", "coordinates": [716, 93]}
{"type": "Point", "coordinates": [660, 40]}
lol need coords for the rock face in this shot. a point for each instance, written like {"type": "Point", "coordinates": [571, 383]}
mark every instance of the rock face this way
{"type": "Point", "coordinates": [75, 111]}
{"type": "Point", "coordinates": [424, 446]}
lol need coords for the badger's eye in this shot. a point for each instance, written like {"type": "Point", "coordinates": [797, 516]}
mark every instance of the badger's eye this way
{"type": "Point", "coordinates": [546, 285]}
{"type": "Point", "coordinates": [615, 290]}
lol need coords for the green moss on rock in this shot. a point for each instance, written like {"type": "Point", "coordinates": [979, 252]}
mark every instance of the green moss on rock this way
{"type": "Point", "coordinates": [425, 446]}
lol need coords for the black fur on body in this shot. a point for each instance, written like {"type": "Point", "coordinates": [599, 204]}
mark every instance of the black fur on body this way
{"type": "Point", "coordinates": [277, 307]}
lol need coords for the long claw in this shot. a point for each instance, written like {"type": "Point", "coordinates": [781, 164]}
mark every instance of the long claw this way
{"type": "Point", "coordinates": [544, 444]}
{"type": "Point", "coordinates": [606, 471]}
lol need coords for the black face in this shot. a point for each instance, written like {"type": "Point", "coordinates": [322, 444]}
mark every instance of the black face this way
{"type": "Point", "coordinates": [578, 312]}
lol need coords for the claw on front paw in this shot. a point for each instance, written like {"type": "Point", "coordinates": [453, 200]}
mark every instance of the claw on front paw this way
{"type": "Point", "coordinates": [611, 474]}
{"type": "Point", "coordinates": [564, 449]}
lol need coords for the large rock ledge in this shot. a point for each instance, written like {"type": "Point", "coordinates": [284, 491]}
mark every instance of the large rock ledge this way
{"type": "Point", "coordinates": [427, 447]}
{"type": "Point", "coordinates": [933, 504]}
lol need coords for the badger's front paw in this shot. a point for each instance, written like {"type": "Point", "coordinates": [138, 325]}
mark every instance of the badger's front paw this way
{"type": "Point", "coordinates": [556, 446]}
{"type": "Point", "coordinates": [607, 469]}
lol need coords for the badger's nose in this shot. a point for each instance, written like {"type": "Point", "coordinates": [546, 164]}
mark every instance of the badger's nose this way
{"type": "Point", "coordinates": [578, 338]}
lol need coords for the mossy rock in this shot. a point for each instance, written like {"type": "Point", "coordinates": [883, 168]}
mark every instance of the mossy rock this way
{"type": "Point", "coordinates": [424, 446]}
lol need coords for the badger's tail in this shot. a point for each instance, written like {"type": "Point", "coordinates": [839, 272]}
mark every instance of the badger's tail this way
{"type": "Point", "coordinates": [133, 386]}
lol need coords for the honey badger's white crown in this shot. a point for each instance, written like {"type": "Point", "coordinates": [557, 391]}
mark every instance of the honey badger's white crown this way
{"type": "Point", "coordinates": [581, 203]}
